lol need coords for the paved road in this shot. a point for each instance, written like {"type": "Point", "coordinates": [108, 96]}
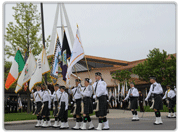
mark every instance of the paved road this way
{"type": "Point", "coordinates": [118, 120]}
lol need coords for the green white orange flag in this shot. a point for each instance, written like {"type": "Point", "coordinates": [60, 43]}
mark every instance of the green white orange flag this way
{"type": "Point", "coordinates": [16, 67]}
{"type": "Point", "coordinates": [27, 72]}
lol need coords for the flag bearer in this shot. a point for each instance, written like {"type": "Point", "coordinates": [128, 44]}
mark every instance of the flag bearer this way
{"type": "Point", "coordinates": [77, 98]}
{"type": "Point", "coordinates": [133, 94]}
{"type": "Point", "coordinates": [56, 95]}
{"type": "Point", "coordinates": [88, 106]}
{"type": "Point", "coordinates": [156, 91]}
{"type": "Point", "coordinates": [47, 106]}
{"type": "Point", "coordinates": [100, 93]}
{"type": "Point", "coordinates": [63, 106]}
{"type": "Point", "coordinates": [38, 105]}
{"type": "Point", "coordinates": [171, 96]}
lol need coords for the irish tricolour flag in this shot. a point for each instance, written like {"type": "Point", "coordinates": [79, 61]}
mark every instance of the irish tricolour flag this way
{"type": "Point", "coordinates": [17, 66]}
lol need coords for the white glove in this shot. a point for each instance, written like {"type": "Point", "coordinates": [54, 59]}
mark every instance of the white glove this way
{"type": "Point", "coordinates": [66, 108]}
{"type": "Point", "coordinates": [90, 81]}
{"type": "Point", "coordinates": [71, 102]}
{"type": "Point", "coordinates": [49, 106]}
{"type": "Point", "coordinates": [69, 86]}
{"type": "Point", "coordinates": [146, 99]}
{"type": "Point", "coordinates": [94, 96]}
{"type": "Point", "coordinates": [79, 85]}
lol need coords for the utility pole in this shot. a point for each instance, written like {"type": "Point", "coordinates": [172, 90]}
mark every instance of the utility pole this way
{"type": "Point", "coordinates": [43, 36]}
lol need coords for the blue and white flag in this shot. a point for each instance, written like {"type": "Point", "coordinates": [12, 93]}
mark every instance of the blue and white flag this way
{"type": "Point", "coordinates": [56, 62]}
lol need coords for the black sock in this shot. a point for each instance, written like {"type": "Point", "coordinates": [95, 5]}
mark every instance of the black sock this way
{"type": "Point", "coordinates": [44, 118]}
{"type": "Point", "coordinates": [56, 118]}
{"type": "Point", "coordinates": [169, 110]}
{"type": "Point", "coordinates": [37, 117]}
{"type": "Point", "coordinates": [159, 113]}
{"type": "Point", "coordinates": [47, 118]}
{"type": "Point", "coordinates": [88, 118]}
{"type": "Point", "coordinates": [85, 119]}
{"type": "Point", "coordinates": [132, 112]}
{"type": "Point", "coordinates": [135, 112]}
{"type": "Point", "coordinates": [172, 110]}
{"type": "Point", "coordinates": [104, 119]}
{"type": "Point", "coordinates": [77, 119]}
{"type": "Point", "coordinates": [100, 120]}
{"type": "Point", "coordinates": [80, 119]}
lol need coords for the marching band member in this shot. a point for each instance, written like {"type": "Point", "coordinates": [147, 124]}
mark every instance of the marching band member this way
{"type": "Point", "coordinates": [100, 93]}
{"type": "Point", "coordinates": [156, 91]}
{"type": "Point", "coordinates": [88, 106]}
{"type": "Point", "coordinates": [77, 97]}
{"type": "Point", "coordinates": [56, 95]}
{"type": "Point", "coordinates": [133, 94]}
{"type": "Point", "coordinates": [47, 106]}
{"type": "Point", "coordinates": [63, 106]}
{"type": "Point", "coordinates": [38, 102]}
{"type": "Point", "coordinates": [171, 96]}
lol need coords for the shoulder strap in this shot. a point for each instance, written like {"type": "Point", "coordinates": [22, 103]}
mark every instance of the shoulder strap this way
{"type": "Point", "coordinates": [75, 92]}
{"type": "Point", "coordinates": [96, 86]}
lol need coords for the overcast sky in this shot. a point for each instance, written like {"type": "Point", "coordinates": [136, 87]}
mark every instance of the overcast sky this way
{"type": "Point", "coordinates": [118, 31]}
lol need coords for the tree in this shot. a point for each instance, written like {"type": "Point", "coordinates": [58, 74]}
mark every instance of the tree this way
{"type": "Point", "coordinates": [25, 33]}
{"type": "Point", "coordinates": [157, 64]}
{"type": "Point", "coordinates": [122, 76]}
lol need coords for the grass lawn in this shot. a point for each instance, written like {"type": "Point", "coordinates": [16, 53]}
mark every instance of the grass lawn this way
{"type": "Point", "coordinates": [25, 116]}
{"type": "Point", "coordinates": [147, 109]}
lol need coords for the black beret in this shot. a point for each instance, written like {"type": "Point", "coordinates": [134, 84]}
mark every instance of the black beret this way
{"type": "Point", "coordinates": [153, 77]}
{"type": "Point", "coordinates": [77, 80]}
{"type": "Point", "coordinates": [98, 74]}
{"type": "Point", "coordinates": [87, 79]}
{"type": "Point", "coordinates": [57, 85]}
{"type": "Point", "coordinates": [168, 86]}
{"type": "Point", "coordinates": [62, 87]}
{"type": "Point", "coordinates": [131, 83]}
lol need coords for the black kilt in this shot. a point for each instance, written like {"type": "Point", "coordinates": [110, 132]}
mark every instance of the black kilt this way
{"type": "Point", "coordinates": [88, 107]}
{"type": "Point", "coordinates": [63, 115]}
{"type": "Point", "coordinates": [38, 104]}
{"type": "Point", "coordinates": [134, 102]}
{"type": "Point", "coordinates": [172, 102]}
{"type": "Point", "coordinates": [102, 106]}
{"type": "Point", "coordinates": [45, 111]}
{"type": "Point", "coordinates": [56, 109]}
{"type": "Point", "coordinates": [78, 106]}
{"type": "Point", "coordinates": [158, 104]}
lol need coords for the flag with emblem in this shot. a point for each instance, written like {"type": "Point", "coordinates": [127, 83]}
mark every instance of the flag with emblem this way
{"type": "Point", "coordinates": [56, 62]}
{"type": "Point", "coordinates": [77, 55]}
{"type": "Point", "coordinates": [27, 72]}
{"type": "Point", "coordinates": [65, 55]}
{"type": "Point", "coordinates": [42, 67]}
{"type": "Point", "coordinates": [16, 67]}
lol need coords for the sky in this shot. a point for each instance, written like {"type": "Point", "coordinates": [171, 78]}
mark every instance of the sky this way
{"type": "Point", "coordinates": [117, 31]}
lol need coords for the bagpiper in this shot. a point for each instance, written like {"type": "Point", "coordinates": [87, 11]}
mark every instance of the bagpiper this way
{"type": "Point", "coordinates": [38, 105]}
{"type": "Point", "coordinates": [170, 95]}
{"type": "Point", "coordinates": [100, 94]}
{"type": "Point", "coordinates": [77, 98]}
{"type": "Point", "coordinates": [133, 94]}
{"type": "Point", "coordinates": [63, 106]}
{"type": "Point", "coordinates": [156, 91]}
{"type": "Point", "coordinates": [56, 97]}
{"type": "Point", "coordinates": [46, 106]}
{"type": "Point", "coordinates": [88, 105]}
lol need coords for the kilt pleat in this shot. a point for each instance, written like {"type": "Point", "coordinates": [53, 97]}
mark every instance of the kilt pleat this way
{"type": "Point", "coordinates": [158, 103]}
{"type": "Point", "coordinates": [134, 102]}
{"type": "Point", "coordinates": [102, 106]}
{"type": "Point", "coordinates": [172, 102]}
{"type": "Point", "coordinates": [45, 111]}
{"type": "Point", "coordinates": [87, 105]}
{"type": "Point", "coordinates": [56, 108]}
{"type": "Point", "coordinates": [39, 105]}
{"type": "Point", "coordinates": [78, 106]}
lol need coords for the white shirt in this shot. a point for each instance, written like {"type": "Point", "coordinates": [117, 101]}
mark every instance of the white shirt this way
{"type": "Point", "coordinates": [38, 96]}
{"type": "Point", "coordinates": [101, 88]}
{"type": "Point", "coordinates": [56, 95]}
{"type": "Point", "coordinates": [46, 97]}
{"type": "Point", "coordinates": [86, 91]}
{"type": "Point", "coordinates": [132, 91]}
{"type": "Point", "coordinates": [169, 94]}
{"type": "Point", "coordinates": [64, 98]}
{"type": "Point", "coordinates": [157, 90]}
{"type": "Point", "coordinates": [77, 94]}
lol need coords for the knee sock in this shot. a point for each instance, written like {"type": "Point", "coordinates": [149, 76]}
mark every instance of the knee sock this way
{"type": "Point", "coordinates": [172, 110]}
{"type": "Point", "coordinates": [104, 119]}
{"type": "Point", "coordinates": [85, 119]}
{"type": "Point", "coordinates": [100, 120]}
{"type": "Point", "coordinates": [158, 114]}
{"type": "Point", "coordinates": [56, 118]}
{"type": "Point", "coordinates": [88, 118]}
{"type": "Point", "coordinates": [44, 118]}
{"type": "Point", "coordinates": [38, 118]}
{"type": "Point", "coordinates": [59, 119]}
{"type": "Point", "coordinates": [135, 112]}
{"type": "Point", "coordinates": [169, 110]}
{"type": "Point", "coordinates": [47, 118]}
{"type": "Point", "coordinates": [80, 119]}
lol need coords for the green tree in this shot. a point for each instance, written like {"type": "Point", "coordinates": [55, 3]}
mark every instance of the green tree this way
{"type": "Point", "coordinates": [157, 64]}
{"type": "Point", "coordinates": [122, 76]}
{"type": "Point", "coordinates": [25, 33]}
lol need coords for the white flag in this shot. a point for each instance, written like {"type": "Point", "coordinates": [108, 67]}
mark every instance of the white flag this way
{"type": "Point", "coordinates": [42, 68]}
{"type": "Point", "coordinates": [27, 72]}
{"type": "Point", "coordinates": [77, 55]}
{"type": "Point", "coordinates": [122, 90]}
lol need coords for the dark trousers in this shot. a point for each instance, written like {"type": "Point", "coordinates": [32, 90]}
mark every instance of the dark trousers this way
{"type": "Point", "coordinates": [141, 106]}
